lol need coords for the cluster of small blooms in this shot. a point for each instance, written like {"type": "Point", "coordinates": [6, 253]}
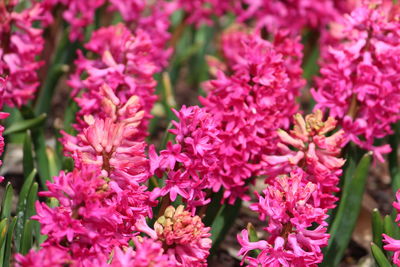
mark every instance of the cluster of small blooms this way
{"type": "Point", "coordinates": [316, 153]}
{"type": "Point", "coordinates": [272, 14]}
{"type": "Point", "coordinates": [292, 204]}
{"type": "Point", "coordinates": [20, 45]}
{"type": "Point", "coordinates": [124, 63]}
{"type": "Point", "coordinates": [3, 115]}
{"type": "Point", "coordinates": [289, 206]}
{"type": "Point", "coordinates": [184, 237]}
{"type": "Point", "coordinates": [391, 243]}
{"type": "Point", "coordinates": [191, 164]}
{"type": "Point", "coordinates": [252, 102]}
{"type": "Point", "coordinates": [359, 82]}
{"type": "Point", "coordinates": [150, 16]}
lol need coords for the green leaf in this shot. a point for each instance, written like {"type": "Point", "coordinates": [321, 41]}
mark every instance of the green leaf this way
{"type": "Point", "coordinates": [27, 236]}
{"type": "Point", "coordinates": [347, 214]}
{"type": "Point", "coordinates": [223, 222]}
{"type": "Point", "coordinates": [253, 238]}
{"type": "Point", "coordinates": [213, 207]}
{"type": "Point", "coordinates": [64, 54]}
{"type": "Point", "coordinates": [7, 202]}
{"type": "Point", "coordinates": [377, 227]}
{"type": "Point", "coordinates": [379, 256]}
{"type": "Point", "coordinates": [27, 158]}
{"type": "Point", "coordinates": [39, 144]}
{"type": "Point", "coordinates": [8, 244]}
{"type": "Point", "coordinates": [54, 168]}
{"type": "Point", "coordinates": [30, 203]}
{"type": "Point", "coordinates": [3, 231]}
{"type": "Point", "coordinates": [21, 207]}
{"type": "Point", "coordinates": [393, 158]}
{"type": "Point", "coordinates": [24, 125]}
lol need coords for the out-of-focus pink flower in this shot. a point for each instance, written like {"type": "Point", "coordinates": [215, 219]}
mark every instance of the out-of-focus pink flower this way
{"type": "Point", "coordinates": [124, 63]}
{"type": "Point", "coordinates": [358, 83]}
{"type": "Point", "coordinates": [250, 104]}
{"type": "Point", "coordinates": [3, 115]}
{"type": "Point", "coordinates": [49, 256]}
{"type": "Point", "coordinates": [315, 152]}
{"type": "Point", "coordinates": [20, 46]}
{"type": "Point", "coordinates": [184, 237]}
{"type": "Point", "coordinates": [191, 164]}
{"type": "Point", "coordinates": [147, 252]}
{"type": "Point", "coordinates": [290, 209]}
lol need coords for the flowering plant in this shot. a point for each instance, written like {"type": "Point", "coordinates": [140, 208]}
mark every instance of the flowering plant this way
{"type": "Point", "coordinates": [171, 132]}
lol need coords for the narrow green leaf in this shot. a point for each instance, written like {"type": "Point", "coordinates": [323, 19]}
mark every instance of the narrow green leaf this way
{"type": "Point", "coordinates": [54, 168]}
{"type": "Point", "coordinates": [223, 222]}
{"type": "Point", "coordinates": [393, 158]}
{"type": "Point", "coordinates": [347, 214]}
{"type": "Point", "coordinates": [377, 227]}
{"type": "Point", "coordinates": [379, 256]}
{"type": "Point", "coordinates": [388, 226]}
{"type": "Point", "coordinates": [9, 244]}
{"type": "Point", "coordinates": [7, 202]}
{"type": "Point", "coordinates": [3, 231]}
{"type": "Point", "coordinates": [39, 144]}
{"type": "Point", "coordinates": [27, 158]}
{"type": "Point", "coordinates": [213, 207]}
{"type": "Point", "coordinates": [24, 125]}
{"type": "Point", "coordinates": [30, 203]}
{"type": "Point", "coordinates": [27, 236]}
{"type": "Point", "coordinates": [21, 207]}
{"type": "Point", "coordinates": [253, 238]}
{"type": "Point", "coordinates": [64, 54]}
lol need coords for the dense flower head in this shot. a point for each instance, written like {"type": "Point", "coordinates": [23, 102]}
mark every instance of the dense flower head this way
{"type": "Point", "coordinates": [49, 256]}
{"type": "Point", "coordinates": [314, 151]}
{"type": "Point", "coordinates": [253, 101]}
{"type": "Point", "coordinates": [359, 82]}
{"type": "Point", "coordinates": [124, 62]}
{"type": "Point", "coordinates": [190, 163]}
{"type": "Point", "coordinates": [290, 211]}
{"type": "Point", "coordinates": [147, 252]}
{"type": "Point", "coordinates": [3, 115]}
{"type": "Point", "coordinates": [94, 215]}
{"type": "Point", "coordinates": [111, 143]}
{"type": "Point", "coordinates": [184, 236]}
{"type": "Point", "coordinates": [20, 45]}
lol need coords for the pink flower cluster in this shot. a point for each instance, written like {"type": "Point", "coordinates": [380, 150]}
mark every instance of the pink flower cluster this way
{"type": "Point", "coordinates": [3, 115]}
{"type": "Point", "coordinates": [274, 15]}
{"type": "Point", "coordinates": [308, 147]}
{"type": "Point", "coordinates": [138, 13]}
{"type": "Point", "coordinates": [359, 82]}
{"type": "Point", "coordinates": [191, 163]}
{"type": "Point", "coordinates": [251, 102]}
{"type": "Point", "coordinates": [392, 244]}
{"type": "Point", "coordinates": [20, 46]}
{"type": "Point", "coordinates": [124, 62]}
{"type": "Point", "coordinates": [293, 203]}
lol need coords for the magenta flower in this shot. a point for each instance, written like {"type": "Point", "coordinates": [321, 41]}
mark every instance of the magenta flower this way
{"type": "Point", "coordinates": [191, 164]}
{"type": "Point", "coordinates": [3, 115]}
{"type": "Point", "coordinates": [147, 252]}
{"type": "Point", "coordinates": [48, 256]}
{"type": "Point", "coordinates": [291, 211]}
{"type": "Point", "coordinates": [358, 83]}
{"type": "Point", "coordinates": [252, 103]}
{"type": "Point", "coordinates": [124, 63]}
{"type": "Point", "coordinates": [20, 46]}
{"type": "Point", "coordinates": [313, 151]}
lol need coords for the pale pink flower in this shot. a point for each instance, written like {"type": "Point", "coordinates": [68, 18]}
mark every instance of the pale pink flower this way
{"type": "Point", "coordinates": [184, 237]}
